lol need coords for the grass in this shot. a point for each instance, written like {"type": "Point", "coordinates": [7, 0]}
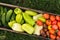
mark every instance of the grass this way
{"type": "Point", "coordinates": [5, 35]}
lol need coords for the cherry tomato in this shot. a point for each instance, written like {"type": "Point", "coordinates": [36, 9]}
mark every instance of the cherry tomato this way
{"type": "Point", "coordinates": [55, 27]}
{"type": "Point", "coordinates": [48, 22]}
{"type": "Point", "coordinates": [58, 18]}
{"type": "Point", "coordinates": [52, 31]}
{"type": "Point", "coordinates": [46, 15]}
{"type": "Point", "coordinates": [54, 22]}
{"type": "Point", "coordinates": [52, 17]}
{"type": "Point", "coordinates": [58, 33]}
{"type": "Point", "coordinates": [52, 36]}
{"type": "Point", "coordinates": [39, 22]}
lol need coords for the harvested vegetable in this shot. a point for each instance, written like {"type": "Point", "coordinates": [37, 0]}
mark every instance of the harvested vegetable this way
{"type": "Point", "coordinates": [48, 22]}
{"type": "Point", "coordinates": [17, 27]}
{"type": "Point", "coordinates": [46, 25]}
{"type": "Point", "coordinates": [46, 15]}
{"type": "Point", "coordinates": [39, 23]}
{"type": "Point", "coordinates": [38, 29]}
{"type": "Point", "coordinates": [52, 37]}
{"type": "Point", "coordinates": [18, 18]}
{"type": "Point", "coordinates": [52, 18]}
{"type": "Point", "coordinates": [42, 19]}
{"type": "Point", "coordinates": [28, 19]}
{"type": "Point", "coordinates": [37, 16]}
{"type": "Point", "coordinates": [10, 24]}
{"type": "Point", "coordinates": [17, 11]}
{"type": "Point", "coordinates": [28, 28]}
{"type": "Point", "coordinates": [29, 12]}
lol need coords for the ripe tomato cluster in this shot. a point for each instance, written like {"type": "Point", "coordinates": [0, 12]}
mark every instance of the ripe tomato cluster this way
{"type": "Point", "coordinates": [53, 25]}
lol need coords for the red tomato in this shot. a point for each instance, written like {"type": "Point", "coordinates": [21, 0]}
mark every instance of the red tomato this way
{"type": "Point", "coordinates": [59, 28]}
{"type": "Point", "coordinates": [58, 18]}
{"type": "Point", "coordinates": [39, 22]}
{"type": "Point", "coordinates": [46, 15]}
{"type": "Point", "coordinates": [58, 24]}
{"type": "Point", "coordinates": [52, 31]}
{"type": "Point", "coordinates": [48, 22]}
{"type": "Point", "coordinates": [51, 39]}
{"type": "Point", "coordinates": [58, 38]}
{"type": "Point", "coordinates": [54, 22]}
{"type": "Point", "coordinates": [58, 33]}
{"type": "Point", "coordinates": [52, 36]}
{"type": "Point", "coordinates": [55, 27]}
{"type": "Point", "coordinates": [52, 17]}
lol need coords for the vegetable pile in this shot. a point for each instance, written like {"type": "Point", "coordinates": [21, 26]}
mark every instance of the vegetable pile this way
{"type": "Point", "coordinates": [44, 24]}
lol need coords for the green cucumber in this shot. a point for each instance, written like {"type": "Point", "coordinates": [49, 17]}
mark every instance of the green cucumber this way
{"type": "Point", "coordinates": [1, 12]}
{"type": "Point", "coordinates": [8, 15]}
{"type": "Point", "coordinates": [5, 10]}
{"type": "Point", "coordinates": [13, 17]}
{"type": "Point", "coordinates": [3, 19]}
